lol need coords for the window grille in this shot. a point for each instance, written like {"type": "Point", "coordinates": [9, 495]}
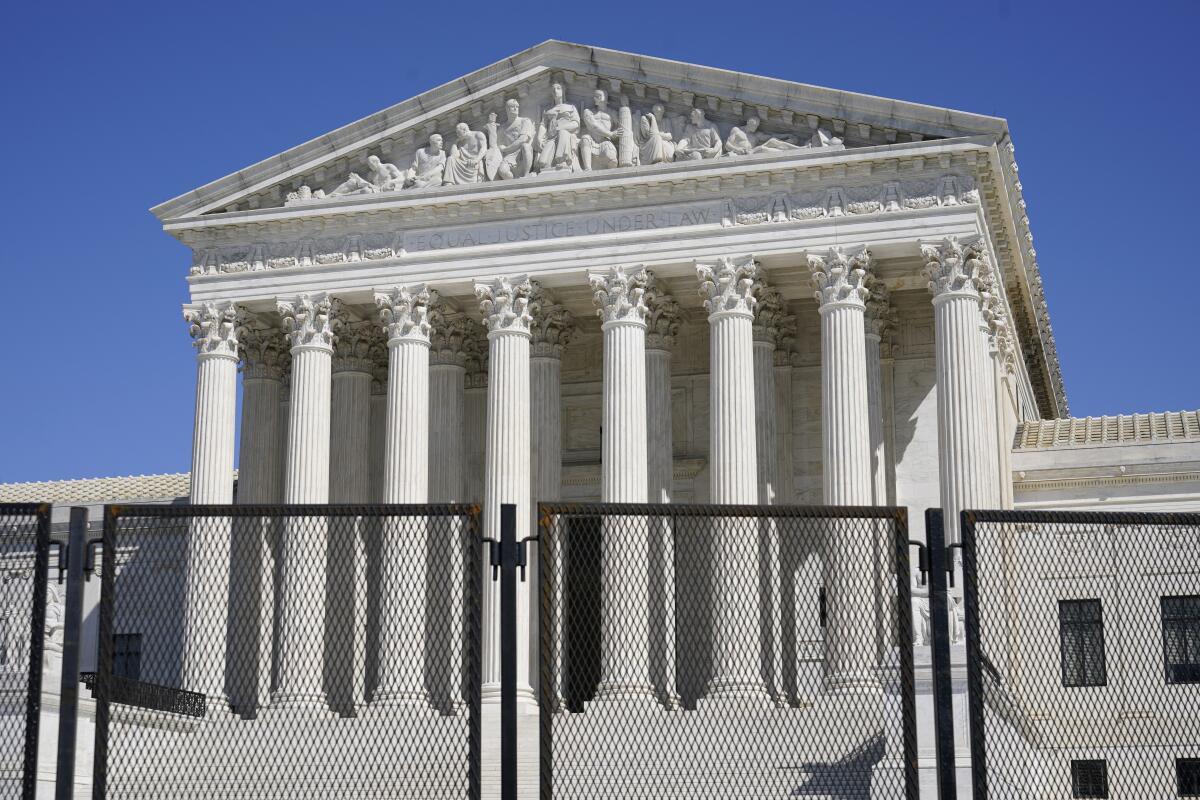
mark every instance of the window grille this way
{"type": "Point", "coordinates": [1081, 643]}
{"type": "Point", "coordinates": [1089, 778]}
{"type": "Point", "coordinates": [1187, 777]}
{"type": "Point", "coordinates": [127, 655]}
{"type": "Point", "coordinates": [1181, 638]}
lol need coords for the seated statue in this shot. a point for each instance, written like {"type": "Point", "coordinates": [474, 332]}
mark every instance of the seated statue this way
{"type": "Point", "coordinates": [700, 139]}
{"type": "Point", "coordinates": [823, 138]}
{"type": "Point", "coordinates": [512, 143]}
{"type": "Point", "coordinates": [557, 139]}
{"type": "Point", "coordinates": [386, 177]}
{"type": "Point", "coordinates": [598, 146]}
{"type": "Point", "coordinates": [748, 139]}
{"type": "Point", "coordinates": [429, 165]}
{"type": "Point", "coordinates": [656, 143]}
{"type": "Point", "coordinates": [465, 162]}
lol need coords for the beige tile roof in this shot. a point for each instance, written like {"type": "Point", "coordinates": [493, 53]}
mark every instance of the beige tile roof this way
{"type": "Point", "coordinates": [1169, 426]}
{"type": "Point", "coordinates": [98, 490]}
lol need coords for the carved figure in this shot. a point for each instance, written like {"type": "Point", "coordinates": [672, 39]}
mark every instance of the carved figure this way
{"type": "Point", "coordinates": [429, 165]}
{"type": "Point", "coordinates": [656, 143]}
{"type": "Point", "coordinates": [823, 138]}
{"type": "Point", "coordinates": [598, 146]}
{"type": "Point", "coordinates": [513, 141]}
{"type": "Point", "coordinates": [465, 162]}
{"type": "Point", "coordinates": [558, 135]}
{"type": "Point", "coordinates": [303, 195]}
{"type": "Point", "coordinates": [700, 140]}
{"type": "Point", "coordinates": [386, 177]}
{"type": "Point", "coordinates": [748, 139]}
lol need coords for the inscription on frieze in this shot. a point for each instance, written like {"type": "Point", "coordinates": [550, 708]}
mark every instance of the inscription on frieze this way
{"type": "Point", "coordinates": [626, 221]}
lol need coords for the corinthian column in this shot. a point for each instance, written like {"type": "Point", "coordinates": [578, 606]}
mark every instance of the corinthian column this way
{"type": "Point", "coordinates": [624, 557]}
{"type": "Point", "coordinates": [475, 405]}
{"type": "Point", "coordinates": [260, 482]}
{"type": "Point", "coordinates": [877, 322]}
{"type": "Point", "coordinates": [727, 287]}
{"type": "Point", "coordinates": [781, 358]}
{"type": "Point", "coordinates": [662, 326]}
{"type": "Point", "coordinates": [213, 327]}
{"type": "Point", "coordinates": [505, 305]}
{"type": "Point", "coordinates": [350, 459]}
{"type": "Point", "coordinates": [405, 312]}
{"type": "Point", "coordinates": [552, 329]}
{"type": "Point", "coordinates": [309, 322]}
{"type": "Point", "coordinates": [953, 269]}
{"type": "Point", "coordinates": [839, 276]}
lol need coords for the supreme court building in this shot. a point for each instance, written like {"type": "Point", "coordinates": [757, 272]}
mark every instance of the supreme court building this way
{"type": "Point", "coordinates": [584, 275]}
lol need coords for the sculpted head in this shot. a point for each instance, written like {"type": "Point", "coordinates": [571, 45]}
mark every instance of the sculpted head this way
{"type": "Point", "coordinates": [462, 129]}
{"type": "Point", "coordinates": [373, 162]}
{"type": "Point", "coordinates": [697, 117]}
{"type": "Point", "coordinates": [513, 108]}
{"type": "Point", "coordinates": [556, 89]}
{"type": "Point", "coordinates": [658, 110]}
{"type": "Point", "coordinates": [600, 97]}
{"type": "Point", "coordinates": [752, 124]}
{"type": "Point", "coordinates": [435, 142]}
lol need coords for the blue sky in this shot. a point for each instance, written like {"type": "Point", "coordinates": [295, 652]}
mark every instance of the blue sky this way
{"type": "Point", "coordinates": [110, 108]}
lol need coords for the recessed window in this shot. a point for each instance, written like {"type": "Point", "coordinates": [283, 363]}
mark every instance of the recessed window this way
{"type": "Point", "coordinates": [1081, 643]}
{"type": "Point", "coordinates": [1089, 778]}
{"type": "Point", "coordinates": [1181, 638]}
{"type": "Point", "coordinates": [127, 655]}
{"type": "Point", "coordinates": [1187, 777]}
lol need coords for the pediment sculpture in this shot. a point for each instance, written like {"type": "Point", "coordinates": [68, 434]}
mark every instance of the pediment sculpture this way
{"type": "Point", "coordinates": [566, 139]}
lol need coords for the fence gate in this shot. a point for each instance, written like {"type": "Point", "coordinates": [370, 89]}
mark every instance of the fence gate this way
{"type": "Point", "coordinates": [289, 652]}
{"type": "Point", "coordinates": [725, 651]}
{"type": "Point", "coordinates": [1083, 653]}
{"type": "Point", "coordinates": [24, 559]}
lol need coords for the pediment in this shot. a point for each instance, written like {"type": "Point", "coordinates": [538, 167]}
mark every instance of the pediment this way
{"type": "Point", "coordinates": [666, 112]}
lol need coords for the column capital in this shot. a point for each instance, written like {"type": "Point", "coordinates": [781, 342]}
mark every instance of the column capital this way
{"type": "Point", "coordinates": [310, 320]}
{"type": "Point", "coordinates": [727, 285]}
{"type": "Point", "coordinates": [505, 302]}
{"type": "Point", "coordinates": [768, 313]}
{"type": "Point", "coordinates": [352, 350]}
{"type": "Point", "coordinates": [552, 327]}
{"type": "Point", "coordinates": [840, 276]}
{"type": "Point", "coordinates": [662, 319]}
{"type": "Point", "coordinates": [213, 328]}
{"type": "Point", "coordinates": [954, 265]}
{"type": "Point", "coordinates": [407, 313]}
{"type": "Point", "coordinates": [619, 294]}
{"type": "Point", "coordinates": [879, 314]}
{"type": "Point", "coordinates": [448, 342]}
{"type": "Point", "coordinates": [262, 350]}
{"type": "Point", "coordinates": [785, 340]}
{"type": "Point", "coordinates": [476, 345]}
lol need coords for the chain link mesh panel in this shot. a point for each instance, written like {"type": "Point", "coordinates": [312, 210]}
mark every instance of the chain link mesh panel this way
{"type": "Point", "coordinates": [725, 651]}
{"type": "Point", "coordinates": [24, 558]}
{"type": "Point", "coordinates": [284, 652]}
{"type": "Point", "coordinates": [1083, 652]}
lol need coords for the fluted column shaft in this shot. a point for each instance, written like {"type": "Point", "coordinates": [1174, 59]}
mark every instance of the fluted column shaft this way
{"type": "Point", "coordinates": [660, 459]}
{"type": "Point", "coordinates": [785, 492]}
{"type": "Point", "coordinates": [727, 287]}
{"type": "Point", "coordinates": [405, 314]}
{"type": "Point", "coordinates": [377, 427]}
{"type": "Point", "coordinates": [213, 326]}
{"type": "Point", "coordinates": [505, 305]}
{"type": "Point", "coordinates": [302, 615]}
{"type": "Point", "coordinates": [875, 420]}
{"type": "Point", "coordinates": [660, 468]}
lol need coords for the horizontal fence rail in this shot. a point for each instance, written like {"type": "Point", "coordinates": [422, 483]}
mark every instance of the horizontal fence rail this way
{"type": "Point", "coordinates": [1083, 653]}
{"type": "Point", "coordinates": [288, 651]}
{"type": "Point", "coordinates": [24, 565]}
{"type": "Point", "coordinates": [695, 651]}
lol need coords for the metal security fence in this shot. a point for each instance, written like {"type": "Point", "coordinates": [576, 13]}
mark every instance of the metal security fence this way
{"type": "Point", "coordinates": [289, 651]}
{"type": "Point", "coordinates": [1083, 653]}
{"type": "Point", "coordinates": [24, 561]}
{"type": "Point", "coordinates": [725, 651]}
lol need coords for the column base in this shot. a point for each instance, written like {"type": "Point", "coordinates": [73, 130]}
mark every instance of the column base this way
{"type": "Point", "coordinates": [739, 691]}
{"type": "Point", "coordinates": [853, 683]}
{"type": "Point", "coordinates": [297, 704]}
{"type": "Point", "coordinates": [625, 695]}
{"type": "Point", "coordinates": [490, 694]}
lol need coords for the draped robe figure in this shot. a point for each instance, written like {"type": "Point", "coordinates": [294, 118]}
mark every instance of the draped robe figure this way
{"type": "Point", "coordinates": [465, 162]}
{"type": "Point", "coordinates": [746, 140]}
{"type": "Point", "coordinates": [655, 141]}
{"type": "Point", "coordinates": [597, 147]}
{"type": "Point", "coordinates": [514, 143]}
{"type": "Point", "coordinates": [700, 140]}
{"type": "Point", "coordinates": [558, 135]}
{"type": "Point", "coordinates": [429, 165]}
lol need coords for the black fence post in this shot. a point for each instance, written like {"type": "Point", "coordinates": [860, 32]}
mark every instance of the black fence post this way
{"type": "Point", "coordinates": [508, 652]}
{"type": "Point", "coordinates": [37, 644]}
{"type": "Point", "coordinates": [68, 715]}
{"type": "Point", "coordinates": [979, 782]}
{"type": "Point", "coordinates": [939, 623]}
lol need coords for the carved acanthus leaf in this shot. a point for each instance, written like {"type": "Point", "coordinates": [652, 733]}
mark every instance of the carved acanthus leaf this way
{"type": "Point", "coordinates": [768, 313]}
{"type": "Point", "coordinates": [506, 303]}
{"type": "Point", "coordinates": [878, 313]}
{"type": "Point", "coordinates": [213, 328]}
{"type": "Point", "coordinates": [449, 341]}
{"type": "Point", "coordinates": [619, 294]}
{"type": "Point", "coordinates": [262, 348]}
{"type": "Point", "coordinates": [352, 352]}
{"type": "Point", "coordinates": [727, 285]}
{"type": "Point", "coordinates": [840, 275]}
{"type": "Point", "coordinates": [954, 265]}
{"type": "Point", "coordinates": [407, 312]}
{"type": "Point", "coordinates": [310, 320]}
{"type": "Point", "coordinates": [663, 317]}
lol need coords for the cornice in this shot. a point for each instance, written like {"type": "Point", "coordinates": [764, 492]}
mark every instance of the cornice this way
{"type": "Point", "coordinates": [1103, 481]}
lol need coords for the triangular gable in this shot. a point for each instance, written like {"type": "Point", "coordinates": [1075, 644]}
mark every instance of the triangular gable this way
{"type": "Point", "coordinates": [801, 115]}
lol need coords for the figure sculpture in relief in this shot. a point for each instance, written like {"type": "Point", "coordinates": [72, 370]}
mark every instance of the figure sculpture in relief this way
{"type": "Point", "coordinates": [558, 135]}
{"type": "Point", "coordinates": [599, 145]}
{"type": "Point", "coordinates": [823, 138]}
{"type": "Point", "coordinates": [748, 139]}
{"type": "Point", "coordinates": [700, 139]}
{"type": "Point", "coordinates": [384, 176]}
{"type": "Point", "coordinates": [429, 165]}
{"type": "Point", "coordinates": [512, 142]}
{"type": "Point", "coordinates": [465, 162]}
{"type": "Point", "coordinates": [656, 142]}
{"type": "Point", "coordinates": [302, 195]}
{"type": "Point", "coordinates": [355, 184]}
